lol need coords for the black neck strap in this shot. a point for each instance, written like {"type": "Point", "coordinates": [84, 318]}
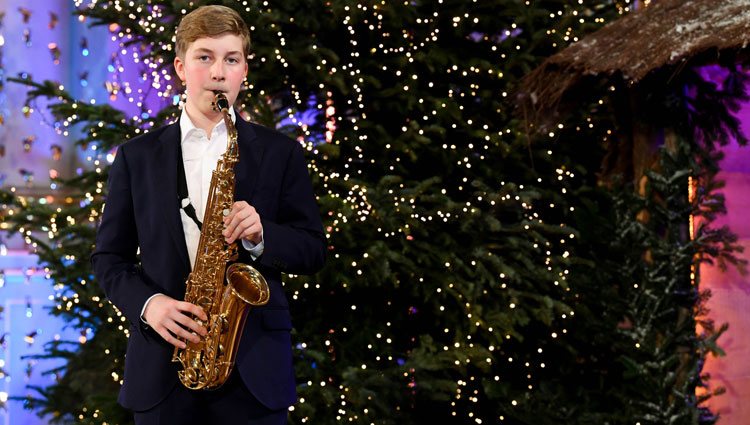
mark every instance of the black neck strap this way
{"type": "Point", "coordinates": [182, 190]}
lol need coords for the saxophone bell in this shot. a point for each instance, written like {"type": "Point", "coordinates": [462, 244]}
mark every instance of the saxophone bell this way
{"type": "Point", "coordinates": [247, 284]}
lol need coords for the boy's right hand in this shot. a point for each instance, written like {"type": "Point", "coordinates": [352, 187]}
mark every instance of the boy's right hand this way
{"type": "Point", "coordinates": [172, 319]}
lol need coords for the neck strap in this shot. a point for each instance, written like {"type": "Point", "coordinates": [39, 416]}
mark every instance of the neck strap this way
{"type": "Point", "coordinates": [182, 190]}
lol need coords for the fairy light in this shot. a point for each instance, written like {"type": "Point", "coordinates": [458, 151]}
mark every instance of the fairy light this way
{"type": "Point", "coordinates": [397, 212]}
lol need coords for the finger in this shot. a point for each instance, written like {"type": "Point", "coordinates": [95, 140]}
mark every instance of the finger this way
{"type": "Point", "coordinates": [230, 225]}
{"type": "Point", "coordinates": [237, 205]}
{"type": "Point", "coordinates": [252, 234]}
{"type": "Point", "coordinates": [237, 219]}
{"type": "Point", "coordinates": [237, 208]}
{"type": "Point", "coordinates": [240, 205]}
{"type": "Point", "coordinates": [192, 309]}
{"type": "Point", "coordinates": [182, 333]}
{"type": "Point", "coordinates": [232, 232]}
{"type": "Point", "coordinates": [190, 324]}
{"type": "Point", "coordinates": [249, 227]}
{"type": "Point", "coordinates": [248, 223]}
{"type": "Point", "coordinates": [171, 339]}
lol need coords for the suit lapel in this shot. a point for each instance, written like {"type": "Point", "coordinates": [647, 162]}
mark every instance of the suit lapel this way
{"type": "Point", "coordinates": [247, 169]}
{"type": "Point", "coordinates": [165, 173]}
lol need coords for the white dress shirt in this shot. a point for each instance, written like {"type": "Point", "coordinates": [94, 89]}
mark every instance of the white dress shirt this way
{"type": "Point", "coordinates": [199, 156]}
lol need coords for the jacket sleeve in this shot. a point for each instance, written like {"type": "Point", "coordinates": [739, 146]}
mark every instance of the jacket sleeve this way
{"type": "Point", "coordinates": [295, 241]}
{"type": "Point", "coordinates": [114, 260]}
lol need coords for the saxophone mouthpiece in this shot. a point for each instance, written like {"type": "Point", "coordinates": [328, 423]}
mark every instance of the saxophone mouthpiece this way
{"type": "Point", "coordinates": [220, 101]}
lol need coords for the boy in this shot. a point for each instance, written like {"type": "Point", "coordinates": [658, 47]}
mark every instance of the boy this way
{"type": "Point", "coordinates": [275, 221]}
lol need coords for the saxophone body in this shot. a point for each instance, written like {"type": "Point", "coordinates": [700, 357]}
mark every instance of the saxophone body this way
{"type": "Point", "coordinates": [224, 293]}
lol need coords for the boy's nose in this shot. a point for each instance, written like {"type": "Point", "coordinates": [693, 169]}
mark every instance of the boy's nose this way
{"type": "Point", "coordinates": [217, 72]}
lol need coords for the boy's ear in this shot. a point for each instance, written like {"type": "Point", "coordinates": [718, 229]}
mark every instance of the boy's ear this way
{"type": "Point", "coordinates": [179, 67]}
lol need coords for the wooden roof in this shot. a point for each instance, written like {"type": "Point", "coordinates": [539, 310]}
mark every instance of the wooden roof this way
{"type": "Point", "coordinates": [667, 33]}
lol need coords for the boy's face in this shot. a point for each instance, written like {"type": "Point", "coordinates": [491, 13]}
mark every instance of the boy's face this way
{"type": "Point", "coordinates": [212, 64]}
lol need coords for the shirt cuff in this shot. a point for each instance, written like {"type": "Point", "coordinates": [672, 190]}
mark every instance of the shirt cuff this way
{"type": "Point", "coordinates": [254, 250]}
{"type": "Point", "coordinates": [143, 310]}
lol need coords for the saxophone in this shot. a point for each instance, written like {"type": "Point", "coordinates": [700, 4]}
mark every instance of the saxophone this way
{"type": "Point", "coordinates": [224, 293]}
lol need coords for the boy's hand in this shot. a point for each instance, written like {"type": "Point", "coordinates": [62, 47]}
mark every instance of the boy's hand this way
{"type": "Point", "coordinates": [243, 222]}
{"type": "Point", "coordinates": [171, 319]}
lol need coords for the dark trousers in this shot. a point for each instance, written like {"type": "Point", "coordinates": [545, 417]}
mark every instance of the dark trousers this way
{"type": "Point", "coordinates": [231, 404]}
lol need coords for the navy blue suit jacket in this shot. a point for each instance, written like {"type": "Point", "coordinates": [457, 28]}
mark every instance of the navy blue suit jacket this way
{"type": "Point", "coordinates": [142, 212]}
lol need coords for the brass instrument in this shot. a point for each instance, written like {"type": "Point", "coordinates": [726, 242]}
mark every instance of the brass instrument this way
{"type": "Point", "coordinates": [225, 294]}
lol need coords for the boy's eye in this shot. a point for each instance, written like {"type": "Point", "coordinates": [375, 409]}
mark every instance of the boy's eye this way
{"type": "Point", "coordinates": [233, 60]}
{"type": "Point", "coordinates": [203, 58]}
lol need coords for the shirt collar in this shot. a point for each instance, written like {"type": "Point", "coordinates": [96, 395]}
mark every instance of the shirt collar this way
{"type": "Point", "coordinates": [187, 126]}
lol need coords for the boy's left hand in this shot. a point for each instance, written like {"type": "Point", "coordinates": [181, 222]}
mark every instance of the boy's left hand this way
{"type": "Point", "coordinates": [243, 222]}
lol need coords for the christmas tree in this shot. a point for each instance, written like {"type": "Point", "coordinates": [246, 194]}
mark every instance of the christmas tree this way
{"type": "Point", "coordinates": [478, 271]}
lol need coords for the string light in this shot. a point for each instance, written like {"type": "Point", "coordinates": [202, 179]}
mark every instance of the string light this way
{"type": "Point", "coordinates": [394, 211]}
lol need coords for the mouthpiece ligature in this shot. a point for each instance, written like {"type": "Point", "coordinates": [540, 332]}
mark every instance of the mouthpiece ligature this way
{"type": "Point", "coordinates": [220, 102]}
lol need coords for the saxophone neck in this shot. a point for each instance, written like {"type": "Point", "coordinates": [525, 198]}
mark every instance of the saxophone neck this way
{"type": "Point", "coordinates": [221, 104]}
{"type": "Point", "coordinates": [231, 134]}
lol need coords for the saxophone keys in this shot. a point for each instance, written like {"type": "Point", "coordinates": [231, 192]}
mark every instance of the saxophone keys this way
{"type": "Point", "coordinates": [223, 324]}
{"type": "Point", "coordinates": [225, 212]}
{"type": "Point", "coordinates": [191, 375]}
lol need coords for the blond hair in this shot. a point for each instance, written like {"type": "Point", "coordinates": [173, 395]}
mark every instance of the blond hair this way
{"type": "Point", "coordinates": [210, 21]}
